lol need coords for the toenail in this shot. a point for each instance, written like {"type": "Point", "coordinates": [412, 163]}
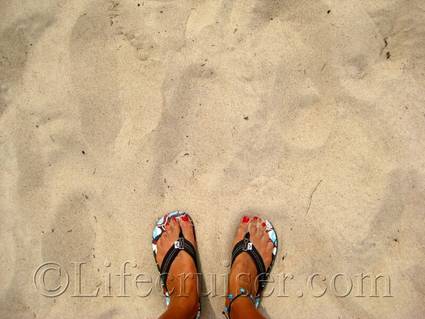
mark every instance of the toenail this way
{"type": "Point", "coordinates": [255, 218]}
{"type": "Point", "coordinates": [245, 219]}
{"type": "Point", "coordinates": [263, 224]}
{"type": "Point", "coordinates": [185, 218]}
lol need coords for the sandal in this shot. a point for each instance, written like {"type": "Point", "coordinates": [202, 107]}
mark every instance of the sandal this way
{"type": "Point", "coordinates": [179, 245]}
{"type": "Point", "coordinates": [245, 245]}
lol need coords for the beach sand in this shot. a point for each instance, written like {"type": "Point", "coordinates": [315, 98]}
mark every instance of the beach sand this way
{"type": "Point", "coordinates": [309, 113]}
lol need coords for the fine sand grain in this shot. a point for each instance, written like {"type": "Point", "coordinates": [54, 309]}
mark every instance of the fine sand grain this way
{"type": "Point", "coordinates": [311, 113]}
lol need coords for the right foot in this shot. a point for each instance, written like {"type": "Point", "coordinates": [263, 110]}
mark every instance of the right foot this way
{"type": "Point", "coordinates": [243, 273]}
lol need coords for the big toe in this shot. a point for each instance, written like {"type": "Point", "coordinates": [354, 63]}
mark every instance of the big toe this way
{"type": "Point", "coordinates": [253, 226]}
{"type": "Point", "coordinates": [186, 226]}
{"type": "Point", "coordinates": [242, 229]}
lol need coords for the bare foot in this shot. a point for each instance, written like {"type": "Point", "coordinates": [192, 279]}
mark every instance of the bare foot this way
{"type": "Point", "coordinates": [182, 280]}
{"type": "Point", "coordinates": [244, 272]}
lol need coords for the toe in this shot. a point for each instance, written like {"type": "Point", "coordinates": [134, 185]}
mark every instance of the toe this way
{"type": "Point", "coordinates": [242, 229]}
{"type": "Point", "coordinates": [256, 230]}
{"type": "Point", "coordinates": [270, 246]}
{"type": "Point", "coordinates": [174, 229]}
{"type": "Point", "coordinates": [167, 226]}
{"type": "Point", "coordinates": [252, 227]}
{"type": "Point", "coordinates": [259, 227]}
{"type": "Point", "coordinates": [262, 230]}
{"type": "Point", "coordinates": [186, 226]}
{"type": "Point", "coordinates": [268, 256]}
{"type": "Point", "coordinates": [173, 223]}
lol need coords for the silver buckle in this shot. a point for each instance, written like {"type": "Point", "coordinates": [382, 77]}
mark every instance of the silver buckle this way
{"type": "Point", "coordinates": [179, 244]}
{"type": "Point", "coordinates": [247, 245]}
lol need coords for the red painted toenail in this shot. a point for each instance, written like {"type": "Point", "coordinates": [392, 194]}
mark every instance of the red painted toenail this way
{"type": "Point", "coordinates": [255, 218]}
{"type": "Point", "coordinates": [185, 218]}
{"type": "Point", "coordinates": [245, 219]}
{"type": "Point", "coordinates": [263, 224]}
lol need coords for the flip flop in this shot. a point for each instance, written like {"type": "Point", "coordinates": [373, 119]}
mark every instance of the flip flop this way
{"type": "Point", "coordinates": [179, 245]}
{"type": "Point", "coordinates": [245, 245]}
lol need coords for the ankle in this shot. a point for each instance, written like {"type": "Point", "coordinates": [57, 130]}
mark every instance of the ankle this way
{"type": "Point", "coordinates": [242, 277]}
{"type": "Point", "coordinates": [186, 306]}
{"type": "Point", "coordinates": [241, 304]}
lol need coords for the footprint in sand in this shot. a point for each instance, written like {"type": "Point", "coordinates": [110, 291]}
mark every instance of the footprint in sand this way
{"type": "Point", "coordinates": [15, 42]}
{"type": "Point", "coordinates": [72, 228]}
{"type": "Point", "coordinates": [94, 60]}
{"type": "Point", "coordinates": [306, 118]}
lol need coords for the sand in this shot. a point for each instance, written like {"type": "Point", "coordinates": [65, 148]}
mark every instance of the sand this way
{"type": "Point", "coordinates": [310, 113]}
